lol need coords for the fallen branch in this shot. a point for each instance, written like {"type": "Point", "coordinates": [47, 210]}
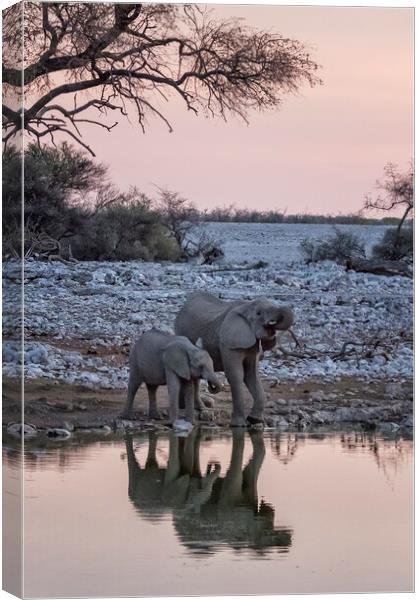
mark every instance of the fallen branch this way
{"type": "Point", "coordinates": [367, 349]}
{"type": "Point", "coordinates": [46, 247]}
{"type": "Point", "coordinates": [258, 265]}
{"type": "Point", "coordinates": [388, 268]}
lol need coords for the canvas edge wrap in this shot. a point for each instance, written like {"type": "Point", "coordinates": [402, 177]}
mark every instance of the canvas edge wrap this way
{"type": "Point", "coordinates": [12, 538]}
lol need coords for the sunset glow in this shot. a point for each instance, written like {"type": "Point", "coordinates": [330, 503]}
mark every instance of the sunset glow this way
{"type": "Point", "coordinates": [320, 152]}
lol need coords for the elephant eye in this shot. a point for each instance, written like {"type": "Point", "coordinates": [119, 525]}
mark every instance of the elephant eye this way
{"type": "Point", "coordinates": [258, 313]}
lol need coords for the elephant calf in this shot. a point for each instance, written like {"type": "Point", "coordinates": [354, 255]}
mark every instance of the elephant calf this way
{"type": "Point", "coordinates": [159, 358]}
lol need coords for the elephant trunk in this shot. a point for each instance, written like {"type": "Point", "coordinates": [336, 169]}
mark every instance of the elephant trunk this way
{"type": "Point", "coordinates": [214, 384]}
{"type": "Point", "coordinates": [284, 319]}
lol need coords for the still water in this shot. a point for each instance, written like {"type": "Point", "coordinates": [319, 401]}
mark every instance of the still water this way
{"type": "Point", "coordinates": [233, 513]}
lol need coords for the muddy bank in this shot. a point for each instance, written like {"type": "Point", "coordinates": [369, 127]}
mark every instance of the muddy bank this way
{"type": "Point", "coordinates": [383, 406]}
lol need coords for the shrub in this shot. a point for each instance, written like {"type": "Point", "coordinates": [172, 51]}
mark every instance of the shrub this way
{"type": "Point", "coordinates": [203, 247]}
{"type": "Point", "coordinates": [73, 212]}
{"type": "Point", "coordinates": [395, 245]}
{"type": "Point", "coordinates": [339, 247]}
{"type": "Point", "coordinates": [164, 247]}
{"type": "Point", "coordinates": [54, 180]}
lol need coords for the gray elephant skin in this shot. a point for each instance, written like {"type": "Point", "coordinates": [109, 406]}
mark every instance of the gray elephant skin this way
{"type": "Point", "coordinates": [159, 358]}
{"type": "Point", "coordinates": [207, 510]}
{"type": "Point", "coordinates": [234, 333]}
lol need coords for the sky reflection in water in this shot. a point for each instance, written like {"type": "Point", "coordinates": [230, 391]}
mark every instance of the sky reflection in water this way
{"type": "Point", "coordinates": [163, 515]}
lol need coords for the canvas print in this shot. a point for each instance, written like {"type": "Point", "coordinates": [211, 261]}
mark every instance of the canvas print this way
{"type": "Point", "coordinates": [207, 299]}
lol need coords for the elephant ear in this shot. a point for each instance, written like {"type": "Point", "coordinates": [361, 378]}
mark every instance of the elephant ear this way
{"type": "Point", "coordinates": [176, 359]}
{"type": "Point", "coordinates": [235, 331]}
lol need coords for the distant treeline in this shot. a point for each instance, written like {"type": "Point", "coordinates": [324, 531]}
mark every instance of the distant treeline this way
{"type": "Point", "coordinates": [238, 215]}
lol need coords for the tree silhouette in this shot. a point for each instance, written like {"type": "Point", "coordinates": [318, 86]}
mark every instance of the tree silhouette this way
{"type": "Point", "coordinates": [396, 190]}
{"type": "Point", "coordinates": [139, 55]}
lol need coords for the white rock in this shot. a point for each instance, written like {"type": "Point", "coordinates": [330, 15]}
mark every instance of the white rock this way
{"type": "Point", "coordinates": [22, 429]}
{"type": "Point", "coordinates": [182, 426]}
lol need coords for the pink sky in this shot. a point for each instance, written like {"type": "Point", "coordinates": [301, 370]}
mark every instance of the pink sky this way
{"type": "Point", "coordinates": [320, 152]}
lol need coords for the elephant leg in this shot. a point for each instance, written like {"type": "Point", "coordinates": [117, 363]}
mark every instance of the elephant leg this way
{"type": "Point", "coordinates": [173, 469]}
{"type": "Point", "coordinates": [133, 465]}
{"type": "Point", "coordinates": [181, 403]}
{"type": "Point", "coordinates": [153, 409]}
{"type": "Point", "coordinates": [134, 383]}
{"type": "Point", "coordinates": [232, 485]}
{"type": "Point", "coordinates": [187, 454]}
{"type": "Point", "coordinates": [255, 387]}
{"type": "Point", "coordinates": [189, 402]}
{"type": "Point", "coordinates": [151, 460]}
{"type": "Point", "coordinates": [174, 387]}
{"type": "Point", "coordinates": [234, 370]}
{"type": "Point", "coordinates": [252, 470]}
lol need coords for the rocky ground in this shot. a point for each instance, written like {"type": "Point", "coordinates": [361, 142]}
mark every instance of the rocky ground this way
{"type": "Point", "coordinates": [350, 359]}
{"type": "Point", "coordinates": [385, 407]}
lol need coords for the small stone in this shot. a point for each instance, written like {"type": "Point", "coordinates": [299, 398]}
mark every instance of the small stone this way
{"type": "Point", "coordinates": [388, 427]}
{"type": "Point", "coordinates": [137, 318]}
{"type": "Point", "coordinates": [127, 275]}
{"type": "Point", "coordinates": [58, 433]}
{"type": "Point", "coordinates": [408, 421]}
{"type": "Point", "coordinates": [22, 430]}
{"type": "Point", "coordinates": [61, 405]}
{"type": "Point", "coordinates": [318, 396]}
{"type": "Point", "coordinates": [110, 278]}
{"type": "Point", "coordinates": [276, 421]}
{"type": "Point", "coordinates": [344, 414]}
{"type": "Point", "coordinates": [103, 430]}
{"type": "Point", "coordinates": [124, 424]}
{"type": "Point", "coordinates": [82, 277]}
{"type": "Point", "coordinates": [394, 390]}
{"type": "Point", "coordinates": [207, 415]}
{"type": "Point", "coordinates": [303, 415]}
{"type": "Point", "coordinates": [321, 417]}
{"type": "Point", "coordinates": [280, 281]}
{"type": "Point", "coordinates": [182, 426]}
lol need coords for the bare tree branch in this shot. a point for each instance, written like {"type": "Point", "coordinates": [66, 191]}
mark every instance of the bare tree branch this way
{"type": "Point", "coordinates": [131, 53]}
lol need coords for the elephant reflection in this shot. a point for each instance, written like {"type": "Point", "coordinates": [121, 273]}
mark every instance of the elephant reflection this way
{"type": "Point", "coordinates": [208, 510]}
{"type": "Point", "coordinates": [156, 490]}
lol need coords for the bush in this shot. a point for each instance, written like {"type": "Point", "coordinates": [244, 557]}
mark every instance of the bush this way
{"type": "Point", "coordinates": [203, 247]}
{"type": "Point", "coordinates": [71, 211]}
{"type": "Point", "coordinates": [55, 178]}
{"type": "Point", "coordinates": [339, 247]}
{"type": "Point", "coordinates": [395, 245]}
{"type": "Point", "coordinates": [126, 227]}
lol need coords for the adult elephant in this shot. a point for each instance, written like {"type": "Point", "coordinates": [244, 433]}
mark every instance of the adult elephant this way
{"type": "Point", "coordinates": [232, 513]}
{"type": "Point", "coordinates": [207, 509]}
{"type": "Point", "coordinates": [234, 333]}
